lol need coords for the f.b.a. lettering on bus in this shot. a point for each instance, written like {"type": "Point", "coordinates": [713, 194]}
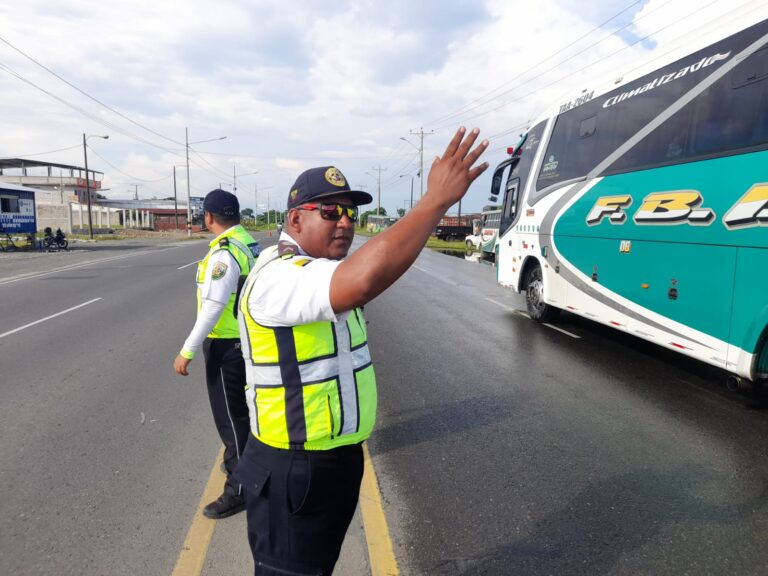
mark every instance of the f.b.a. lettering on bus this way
{"type": "Point", "coordinates": [682, 207]}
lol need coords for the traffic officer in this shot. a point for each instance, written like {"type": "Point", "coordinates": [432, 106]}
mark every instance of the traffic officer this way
{"type": "Point", "coordinates": [311, 385]}
{"type": "Point", "coordinates": [232, 253]}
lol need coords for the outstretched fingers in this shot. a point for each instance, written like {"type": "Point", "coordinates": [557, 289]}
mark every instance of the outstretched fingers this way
{"type": "Point", "coordinates": [453, 145]}
{"type": "Point", "coordinates": [476, 171]}
{"type": "Point", "coordinates": [467, 143]}
{"type": "Point", "coordinates": [471, 157]}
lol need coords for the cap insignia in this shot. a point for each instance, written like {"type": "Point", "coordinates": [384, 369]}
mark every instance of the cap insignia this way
{"type": "Point", "coordinates": [335, 177]}
{"type": "Point", "coordinates": [293, 193]}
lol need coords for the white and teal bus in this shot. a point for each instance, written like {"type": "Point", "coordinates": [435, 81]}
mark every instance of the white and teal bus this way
{"type": "Point", "coordinates": [645, 207]}
{"type": "Point", "coordinates": [485, 232]}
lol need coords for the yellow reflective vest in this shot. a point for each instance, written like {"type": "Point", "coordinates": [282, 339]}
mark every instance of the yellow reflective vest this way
{"type": "Point", "coordinates": [244, 250]}
{"type": "Point", "coordinates": [311, 386]}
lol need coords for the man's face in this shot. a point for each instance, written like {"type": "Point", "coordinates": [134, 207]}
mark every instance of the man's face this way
{"type": "Point", "coordinates": [323, 238]}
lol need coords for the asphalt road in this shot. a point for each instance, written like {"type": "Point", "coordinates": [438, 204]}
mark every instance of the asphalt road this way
{"type": "Point", "coordinates": [104, 449]}
{"type": "Point", "coordinates": [505, 447]}
{"type": "Point", "coordinates": [502, 447]}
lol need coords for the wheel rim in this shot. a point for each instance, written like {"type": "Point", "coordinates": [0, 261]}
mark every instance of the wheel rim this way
{"type": "Point", "coordinates": [535, 293]}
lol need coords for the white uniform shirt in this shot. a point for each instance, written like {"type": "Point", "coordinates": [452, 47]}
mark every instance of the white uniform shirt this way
{"type": "Point", "coordinates": [287, 294]}
{"type": "Point", "coordinates": [221, 275]}
{"type": "Point", "coordinates": [219, 283]}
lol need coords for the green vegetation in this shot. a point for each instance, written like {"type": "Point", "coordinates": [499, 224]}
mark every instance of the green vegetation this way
{"type": "Point", "coordinates": [436, 244]}
{"type": "Point", "coordinates": [433, 243]}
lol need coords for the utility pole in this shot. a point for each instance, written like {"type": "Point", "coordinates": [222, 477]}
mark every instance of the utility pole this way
{"type": "Point", "coordinates": [136, 189]}
{"type": "Point", "coordinates": [175, 201]}
{"type": "Point", "coordinates": [88, 181]}
{"type": "Point", "coordinates": [255, 204]}
{"type": "Point", "coordinates": [378, 169]}
{"type": "Point", "coordinates": [420, 148]}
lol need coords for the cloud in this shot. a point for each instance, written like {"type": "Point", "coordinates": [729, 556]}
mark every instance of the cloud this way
{"type": "Point", "coordinates": [292, 84]}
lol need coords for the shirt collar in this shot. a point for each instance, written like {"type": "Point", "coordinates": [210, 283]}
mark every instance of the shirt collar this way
{"type": "Point", "coordinates": [285, 237]}
{"type": "Point", "coordinates": [215, 241]}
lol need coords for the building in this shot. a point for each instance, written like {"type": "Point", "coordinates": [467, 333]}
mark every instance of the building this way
{"type": "Point", "coordinates": [55, 183]}
{"type": "Point", "coordinates": [17, 209]}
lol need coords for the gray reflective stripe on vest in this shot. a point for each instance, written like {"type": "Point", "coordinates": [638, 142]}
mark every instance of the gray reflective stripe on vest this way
{"type": "Point", "coordinates": [347, 386]}
{"type": "Point", "coordinates": [244, 249]}
{"type": "Point", "coordinates": [317, 371]}
{"type": "Point", "coordinates": [250, 400]}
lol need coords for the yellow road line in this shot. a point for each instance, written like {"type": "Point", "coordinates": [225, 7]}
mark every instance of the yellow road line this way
{"type": "Point", "coordinates": [380, 552]}
{"type": "Point", "coordinates": [193, 553]}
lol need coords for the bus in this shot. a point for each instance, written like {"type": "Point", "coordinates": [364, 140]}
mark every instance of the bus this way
{"type": "Point", "coordinates": [485, 232]}
{"type": "Point", "coordinates": [645, 207]}
{"type": "Point", "coordinates": [375, 223]}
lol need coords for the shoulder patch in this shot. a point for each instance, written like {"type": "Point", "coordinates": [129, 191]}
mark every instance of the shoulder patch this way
{"type": "Point", "coordinates": [218, 271]}
{"type": "Point", "coordinates": [224, 242]}
{"type": "Point", "coordinates": [285, 249]}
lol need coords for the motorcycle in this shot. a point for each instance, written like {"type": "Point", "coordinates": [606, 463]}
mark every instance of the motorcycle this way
{"type": "Point", "coordinates": [56, 241]}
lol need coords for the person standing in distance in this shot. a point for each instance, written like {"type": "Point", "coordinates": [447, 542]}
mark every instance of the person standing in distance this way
{"type": "Point", "coordinates": [231, 254]}
{"type": "Point", "coordinates": [311, 385]}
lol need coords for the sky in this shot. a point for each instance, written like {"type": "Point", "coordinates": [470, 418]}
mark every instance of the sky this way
{"type": "Point", "coordinates": [293, 85]}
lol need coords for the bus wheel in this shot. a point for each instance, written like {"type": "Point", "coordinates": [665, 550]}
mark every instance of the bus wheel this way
{"type": "Point", "coordinates": [534, 297]}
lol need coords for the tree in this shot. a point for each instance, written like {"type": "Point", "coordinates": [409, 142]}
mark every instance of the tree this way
{"type": "Point", "coordinates": [401, 212]}
{"type": "Point", "coordinates": [246, 213]}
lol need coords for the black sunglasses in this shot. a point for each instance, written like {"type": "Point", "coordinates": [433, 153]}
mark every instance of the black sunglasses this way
{"type": "Point", "coordinates": [332, 212]}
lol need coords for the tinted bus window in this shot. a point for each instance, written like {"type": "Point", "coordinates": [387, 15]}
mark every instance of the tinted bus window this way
{"type": "Point", "coordinates": [727, 115]}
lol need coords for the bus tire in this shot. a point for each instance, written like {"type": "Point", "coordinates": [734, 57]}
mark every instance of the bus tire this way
{"type": "Point", "coordinates": [534, 297]}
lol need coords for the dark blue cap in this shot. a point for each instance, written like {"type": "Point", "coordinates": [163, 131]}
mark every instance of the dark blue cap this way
{"type": "Point", "coordinates": [317, 183]}
{"type": "Point", "coordinates": [222, 203]}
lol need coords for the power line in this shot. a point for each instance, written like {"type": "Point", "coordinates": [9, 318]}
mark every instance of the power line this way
{"type": "Point", "coordinates": [561, 62]}
{"type": "Point", "coordinates": [77, 146]}
{"type": "Point", "coordinates": [131, 176]}
{"type": "Point", "coordinates": [467, 107]}
{"type": "Point", "coordinates": [68, 83]}
{"type": "Point", "coordinates": [85, 113]}
{"type": "Point", "coordinates": [506, 103]}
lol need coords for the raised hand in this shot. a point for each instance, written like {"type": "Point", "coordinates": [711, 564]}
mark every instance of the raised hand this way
{"type": "Point", "coordinates": [453, 172]}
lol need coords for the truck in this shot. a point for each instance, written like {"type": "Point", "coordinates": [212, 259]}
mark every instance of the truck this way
{"type": "Point", "coordinates": [455, 227]}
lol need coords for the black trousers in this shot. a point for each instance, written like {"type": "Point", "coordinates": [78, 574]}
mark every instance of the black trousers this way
{"type": "Point", "coordinates": [225, 379]}
{"type": "Point", "coordinates": [299, 505]}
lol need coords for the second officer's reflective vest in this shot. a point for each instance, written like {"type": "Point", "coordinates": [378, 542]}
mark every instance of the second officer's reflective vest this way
{"type": "Point", "coordinates": [310, 386]}
{"type": "Point", "coordinates": [244, 250]}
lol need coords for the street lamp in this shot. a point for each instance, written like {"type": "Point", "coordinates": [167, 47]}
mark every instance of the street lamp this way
{"type": "Point", "coordinates": [411, 176]}
{"type": "Point", "coordinates": [189, 194]}
{"type": "Point", "coordinates": [88, 182]}
{"type": "Point", "coordinates": [234, 177]}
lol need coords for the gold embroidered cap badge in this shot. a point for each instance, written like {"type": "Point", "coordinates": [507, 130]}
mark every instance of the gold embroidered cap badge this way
{"type": "Point", "coordinates": [335, 177]}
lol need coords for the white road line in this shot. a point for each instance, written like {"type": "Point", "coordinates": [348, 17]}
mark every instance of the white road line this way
{"type": "Point", "coordinates": [572, 335]}
{"type": "Point", "coordinates": [510, 308]}
{"type": "Point", "coordinates": [187, 265]}
{"type": "Point", "coordinates": [31, 275]}
{"type": "Point", "coordinates": [521, 313]}
{"type": "Point", "coordinates": [20, 328]}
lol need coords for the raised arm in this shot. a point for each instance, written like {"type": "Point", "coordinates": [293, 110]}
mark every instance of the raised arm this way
{"type": "Point", "coordinates": [383, 259]}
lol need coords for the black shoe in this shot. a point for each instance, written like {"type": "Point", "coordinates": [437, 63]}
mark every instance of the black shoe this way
{"type": "Point", "coordinates": [226, 505]}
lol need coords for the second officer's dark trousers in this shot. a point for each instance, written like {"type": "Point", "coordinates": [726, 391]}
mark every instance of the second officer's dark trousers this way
{"type": "Point", "coordinates": [225, 377]}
